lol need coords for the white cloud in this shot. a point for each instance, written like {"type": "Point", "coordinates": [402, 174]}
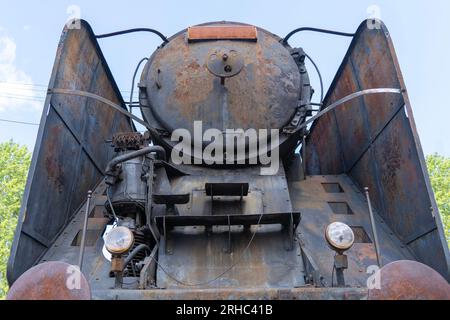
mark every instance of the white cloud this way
{"type": "Point", "coordinates": [7, 50]}
{"type": "Point", "coordinates": [16, 90]}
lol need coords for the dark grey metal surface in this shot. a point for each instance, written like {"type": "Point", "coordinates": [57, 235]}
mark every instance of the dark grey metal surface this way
{"type": "Point", "coordinates": [193, 254]}
{"type": "Point", "coordinates": [262, 96]}
{"type": "Point", "coordinates": [71, 150]}
{"type": "Point", "coordinates": [204, 260]}
{"type": "Point", "coordinates": [307, 293]}
{"type": "Point", "coordinates": [312, 199]}
{"type": "Point", "coordinates": [374, 140]}
{"type": "Point", "coordinates": [177, 89]}
{"type": "Point", "coordinates": [196, 257]}
{"type": "Point", "coordinates": [132, 186]}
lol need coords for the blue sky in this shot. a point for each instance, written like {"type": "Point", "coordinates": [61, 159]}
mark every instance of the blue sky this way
{"type": "Point", "coordinates": [30, 31]}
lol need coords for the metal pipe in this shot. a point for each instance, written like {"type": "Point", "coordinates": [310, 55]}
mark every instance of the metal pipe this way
{"type": "Point", "coordinates": [108, 198]}
{"type": "Point", "coordinates": [346, 99]}
{"type": "Point", "coordinates": [83, 235]}
{"type": "Point", "coordinates": [337, 33]}
{"type": "Point", "coordinates": [133, 253]}
{"type": "Point", "coordinates": [107, 102]}
{"type": "Point", "coordinates": [318, 74]}
{"type": "Point", "coordinates": [130, 155]}
{"type": "Point", "coordinates": [340, 279]}
{"type": "Point", "coordinates": [304, 156]}
{"type": "Point", "coordinates": [117, 33]}
{"type": "Point", "coordinates": [130, 105]}
{"type": "Point", "coordinates": [374, 229]}
{"type": "Point", "coordinates": [155, 132]}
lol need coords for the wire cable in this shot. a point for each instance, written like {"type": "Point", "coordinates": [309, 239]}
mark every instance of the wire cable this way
{"type": "Point", "coordinates": [117, 33]}
{"type": "Point", "coordinates": [132, 87]}
{"type": "Point", "coordinates": [134, 252]}
{"type": "Point", "coordinates": [40, 87]}
{"type": "Point", "coordinates": [332, 273]}
{"type": "Point", "coordinates": [110, 205]}
{"type": "Point", "coordinates": [19, 122]}
{"type": "Point", "coordinates": [337, 33]}
{"type": "Point", "coordinates": [345, 99]}
{"type": "Point", "coordinates": [219, 275]}
{"type": "Point", "coordinates": [15, 83]}
{"type": "Point", "coordinates": [319, 74]}
{"type": "Point", "coordinates": [21, 97]}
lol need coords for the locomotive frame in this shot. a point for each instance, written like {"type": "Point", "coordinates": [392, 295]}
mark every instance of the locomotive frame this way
{"type": "Point", "coordinates": [370, 141]}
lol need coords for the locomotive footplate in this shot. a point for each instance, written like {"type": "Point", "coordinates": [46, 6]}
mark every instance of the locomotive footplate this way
{"type": "Point", "coordinates": [284, 218]}
{"type": "Point", "coordinates": [288, 220]}
{"type": "Point", "coordinates": [229, 251]}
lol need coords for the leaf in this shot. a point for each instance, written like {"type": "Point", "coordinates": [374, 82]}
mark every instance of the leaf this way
{"type": "Point", "coordinates": [14, 164]}
{"type": "Point", "coordinates": [439, 171]}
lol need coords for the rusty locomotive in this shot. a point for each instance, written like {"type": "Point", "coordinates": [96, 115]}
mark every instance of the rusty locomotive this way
{"type": "Point", "coordinates": [297, 200]}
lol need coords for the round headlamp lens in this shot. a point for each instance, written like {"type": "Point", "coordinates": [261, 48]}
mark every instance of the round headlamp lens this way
{"type": "Point", "coordinates": [340, 236]}
{"type": "Point", "coordinates": [119, 240]}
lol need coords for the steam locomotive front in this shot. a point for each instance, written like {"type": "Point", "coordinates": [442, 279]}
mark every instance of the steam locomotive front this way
{"type": "Point", "coordinates": [214, 200]}
{"type": "Point", "coordinates": [230, 96]}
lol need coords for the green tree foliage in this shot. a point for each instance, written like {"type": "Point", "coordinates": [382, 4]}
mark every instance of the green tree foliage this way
{"type": "Point", "coordinates": [439, 170]}
{"type": "Point", "coordinates": [14, 163]}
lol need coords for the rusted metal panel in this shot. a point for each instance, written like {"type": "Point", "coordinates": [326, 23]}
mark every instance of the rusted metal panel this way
{"type": "Point", "coordinates": [373, 66]}
{"type": "Point", "coordinates": [66, 247]}
{"type": "Point", "coordinates": [360, 171]}
{"type": "Point", "coordinates": [311, 198]}
{"type": "Point", "coordinates": [350, 119]}
{"type": "Point", "coordinates": [374, 140]}
{"type": "Point", "coordinates": [259, 97]}
{"type": "Point", "coordinates": [49, 281]}
{"type": "Point", "coordinates": [180, 88]}
{"type": "Point", "coordinates": [324, 149]}
{"type": "Point", "coordinates": [306, 293]}
{"type": "Point", "coordinates": [201, 260]}
{"type": "Point", "coordinates": [406, 201]}
{"type": "Point", "coordinates": [71, 150]}
{"type": "Point", "coordinates": [410, 280]}
{"type": "Point", "coordinates": [195, 256]}
{"type": "Point", "coordinates": [229, 32]}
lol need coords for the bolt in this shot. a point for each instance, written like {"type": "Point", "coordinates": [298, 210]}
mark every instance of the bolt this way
{"type": "Point", "coordinates": [225, 57]}
{"type": "Point", "coordinates": [227, 68]}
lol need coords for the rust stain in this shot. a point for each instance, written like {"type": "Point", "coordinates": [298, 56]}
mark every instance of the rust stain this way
{"type": "Point", "coordinates": [49, 281]}
{"type": "Point", "coordinates": [53, 166]}
{"type": "Point", "coordinates": [410, 280]}
{"type": "Point", "coordinates": [235, 32]}
{"type": "Point", "coordinates": [251, 99]}
{"type": "Point", "coordinates": [391, 158]}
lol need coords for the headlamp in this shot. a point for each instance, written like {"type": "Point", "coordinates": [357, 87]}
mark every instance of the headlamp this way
{"type": "Point", "coordinates": [340, 236]}
{"type": "Point", "coordinates": [119, 240]}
